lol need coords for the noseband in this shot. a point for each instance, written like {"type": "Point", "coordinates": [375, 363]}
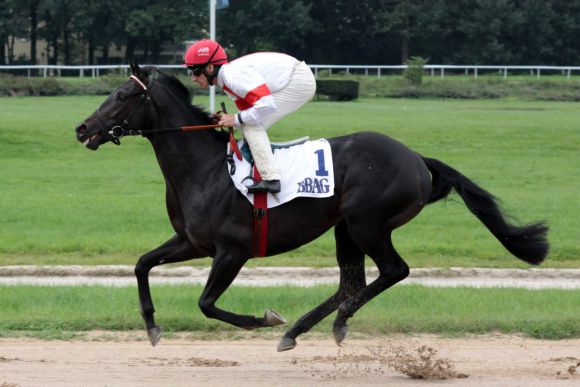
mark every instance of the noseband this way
{"type": "Point", "coordinates": [118, 131]}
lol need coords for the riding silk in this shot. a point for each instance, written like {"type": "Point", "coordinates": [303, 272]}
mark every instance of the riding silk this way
{"type": "Point", "coordinates": [306, 172]}
{"type": "Point", "coordinates": [251, 80]}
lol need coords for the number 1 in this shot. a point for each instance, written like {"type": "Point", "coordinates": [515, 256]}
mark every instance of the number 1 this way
{"type": "Point", "coordinates": [321, 171]}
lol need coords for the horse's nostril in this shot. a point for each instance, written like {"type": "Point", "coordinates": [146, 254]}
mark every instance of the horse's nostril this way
{"type": "Point", "coordinates": [81, 129]}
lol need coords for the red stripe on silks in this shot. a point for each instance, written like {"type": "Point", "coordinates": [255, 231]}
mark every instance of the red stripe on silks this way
{"type": "Point", "coordinates": [239, 101]}
{"type": "Point", "coordinates": [242, 104]}
{"type": "Point", "coordinates": [254, 95]}
{"type": "Point", "coordinates": [250, 98]}
{"type": "Point", "coordinates": [260, 222]}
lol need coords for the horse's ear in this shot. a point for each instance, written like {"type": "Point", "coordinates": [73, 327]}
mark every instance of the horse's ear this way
{"type": "Point", "coordinates": [135, 69]}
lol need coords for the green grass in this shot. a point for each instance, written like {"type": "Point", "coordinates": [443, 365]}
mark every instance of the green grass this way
{"type": "Point", "coordinates": [50, 311]}
{"type": "Point", "coordinates": [60, 203]}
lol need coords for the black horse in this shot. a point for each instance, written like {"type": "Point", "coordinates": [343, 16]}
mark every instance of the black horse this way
{"type": "Point", "coordinates": [380, 185]}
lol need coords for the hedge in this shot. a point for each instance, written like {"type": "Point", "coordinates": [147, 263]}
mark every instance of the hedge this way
{"type": "Point", "coordinates": [337, 89]}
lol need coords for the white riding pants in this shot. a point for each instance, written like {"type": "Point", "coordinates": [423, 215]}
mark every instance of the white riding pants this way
{"type": "Point", "coordinates": [299, 90]}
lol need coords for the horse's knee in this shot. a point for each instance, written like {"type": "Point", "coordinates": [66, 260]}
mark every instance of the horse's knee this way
{"type": "Point", "coordinates": [142, 268]}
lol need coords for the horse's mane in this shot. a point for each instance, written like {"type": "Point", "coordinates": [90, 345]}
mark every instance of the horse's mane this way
{"type": "Point", "coordinates": [181, 92]}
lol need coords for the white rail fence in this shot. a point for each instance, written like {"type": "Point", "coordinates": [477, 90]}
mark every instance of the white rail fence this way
{"type": "Point", "coordinates": [434, 70]}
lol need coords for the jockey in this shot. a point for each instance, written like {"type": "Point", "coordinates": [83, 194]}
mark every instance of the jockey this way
{"type": "Point", "coordinates": [265, 87]}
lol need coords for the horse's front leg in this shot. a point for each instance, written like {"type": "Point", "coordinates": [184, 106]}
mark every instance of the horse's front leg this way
{"type": "Point", "coordinates": [177, 249]}
{"type": "Point", "coordinates": [224, 270]}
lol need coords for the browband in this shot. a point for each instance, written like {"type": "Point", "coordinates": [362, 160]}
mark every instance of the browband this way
{"type": "Point", "coordinates": [133, 77]}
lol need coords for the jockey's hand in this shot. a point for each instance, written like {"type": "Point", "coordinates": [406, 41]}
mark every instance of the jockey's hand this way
{"type": "Point", "coordinates": [227, 120]}
{"type": "Point", "coordinates": [215, 117]}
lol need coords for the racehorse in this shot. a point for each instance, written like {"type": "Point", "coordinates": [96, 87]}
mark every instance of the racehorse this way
{"type": "Point", "coordinates": [380, 185]}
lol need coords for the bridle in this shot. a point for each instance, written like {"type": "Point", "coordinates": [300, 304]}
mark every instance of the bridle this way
{"type": "Point", "coordinates": [121, 130]}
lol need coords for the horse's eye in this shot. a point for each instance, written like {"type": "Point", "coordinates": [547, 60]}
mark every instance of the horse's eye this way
{"type": "Point", "coordinates": [121, 96]}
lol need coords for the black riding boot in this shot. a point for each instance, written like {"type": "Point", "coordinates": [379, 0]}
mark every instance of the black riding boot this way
{"type": "Point", "coordinates": [272, 186]}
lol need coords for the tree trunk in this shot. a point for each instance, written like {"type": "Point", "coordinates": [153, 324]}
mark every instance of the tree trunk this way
{"type": "Point", "coordinates": [130, 53]}
{"type": "Point", "coordinates": [33, 31]}
{"type": "Point", "coordinates": [2, 49]}
{"type": "Point", "coordinates": [404, 49]}
{"type": "Point", "coordinates": [91, 49]}
{"type": "Point", "coordinates": [54, 59]}
{"type": "Point", "coordinates": [105, 58]}
{"type": "Point", "coordinates": [156, 51]}
{"type": "Point", "coordinates": [11, 49]}
{"type": "Point", "coordinates": [145, 51]}
{"type": "Point", "coordinates": [66, 46]}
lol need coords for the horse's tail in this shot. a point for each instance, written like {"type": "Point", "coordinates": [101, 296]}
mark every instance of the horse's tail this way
{"type": "Point", "coordinates": [529, 243]}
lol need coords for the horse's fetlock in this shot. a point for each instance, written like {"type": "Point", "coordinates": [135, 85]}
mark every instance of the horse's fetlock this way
{"type": "Point", "coordinates": [344, 309]}
{"type": "Point", "coordinates": [403, 272]}
{"type": "Point", "coordinates": [206, 308]}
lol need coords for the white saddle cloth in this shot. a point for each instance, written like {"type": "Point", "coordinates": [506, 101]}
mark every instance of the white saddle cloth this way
{"type": "Point", "coordinates": [306, 172]}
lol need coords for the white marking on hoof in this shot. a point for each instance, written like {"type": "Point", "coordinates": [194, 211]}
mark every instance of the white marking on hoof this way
{"type": "Point", "coordinates": [286, 344]}
{"type": "Point", "coordinates": [273, 318]}
{"type": "Point", "coordinates": [340, 334]}
{"type": "Point", "coordinates": [155, 334]}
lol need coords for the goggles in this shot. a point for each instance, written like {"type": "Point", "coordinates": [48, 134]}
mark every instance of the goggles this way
{"type": "Point", "coordinates": [196, 70]}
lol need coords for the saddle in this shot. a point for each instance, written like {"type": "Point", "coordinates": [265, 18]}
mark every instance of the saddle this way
{"type": "Point", "coordinates": [247, 154]}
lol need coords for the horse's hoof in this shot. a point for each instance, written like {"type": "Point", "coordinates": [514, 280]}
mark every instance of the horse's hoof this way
{"type": "Point", "coordinates": [273, 318]}
{"type": "Point", "coordinates": [340, 334]}
{"type": "Point", "coordinates": [155, 334]}
{"type": "Point", "coordinates": [286, 344]}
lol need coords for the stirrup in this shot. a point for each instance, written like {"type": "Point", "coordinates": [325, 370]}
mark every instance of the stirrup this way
{"type": "Point", "coordinates": [271, 186]}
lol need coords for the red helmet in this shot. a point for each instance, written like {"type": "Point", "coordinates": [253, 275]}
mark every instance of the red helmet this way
{"type": "Point", "coordinates": [205, 52]}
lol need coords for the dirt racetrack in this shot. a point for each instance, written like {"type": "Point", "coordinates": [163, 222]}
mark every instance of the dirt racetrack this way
{"type": "Point", "coordinates": [114, 359]}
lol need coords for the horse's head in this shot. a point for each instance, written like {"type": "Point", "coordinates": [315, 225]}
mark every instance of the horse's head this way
{"type": "Point", "coordinates": [123, 110]}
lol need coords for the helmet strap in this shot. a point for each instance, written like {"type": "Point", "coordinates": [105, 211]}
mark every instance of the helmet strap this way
{"type": "Point", "coordinates": [211, 76]}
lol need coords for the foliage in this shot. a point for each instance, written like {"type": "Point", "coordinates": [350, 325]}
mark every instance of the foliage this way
{"type": "Point", "coordinates": [337, 89]}
{"type": "Point", "coordinates": [242, 26]}
{"type": "Point", "coordinates": [549, 88]}
{"type": "Point", "coordinates": [511, 32]}
{"type": "Point", "coordinates": [414, 71]}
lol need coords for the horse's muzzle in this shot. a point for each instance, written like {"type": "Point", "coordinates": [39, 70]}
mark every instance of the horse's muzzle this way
{"type": "Point", "coordinates": [90, 141]}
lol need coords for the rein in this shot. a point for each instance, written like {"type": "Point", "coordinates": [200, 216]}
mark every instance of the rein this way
{"type": "Point", "coordinates": [118, 131]}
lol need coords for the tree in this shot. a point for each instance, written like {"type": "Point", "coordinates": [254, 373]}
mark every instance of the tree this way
{"type": "Point", "coordinates": [491, 28]}
{"type": "Point", "coordinates": [402, 18]}
{"type": "Point", "coordinates": [265, 25]}
{"type": "Point", "coordinates": [345, 33]}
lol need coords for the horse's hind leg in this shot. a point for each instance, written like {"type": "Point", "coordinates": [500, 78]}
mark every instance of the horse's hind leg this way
{"type": "Point", "coordinates": [352, 278]}
{"type": "Point", "coordinates": [176, 249]}
{"type": "Point", "coordinates": [392, 269]}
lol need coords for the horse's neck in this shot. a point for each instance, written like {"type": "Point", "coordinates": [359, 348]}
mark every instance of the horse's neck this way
{"type": "Point", "coordinates": [187, 159]}
{"type": "Point", "coordinates": [191, 155]}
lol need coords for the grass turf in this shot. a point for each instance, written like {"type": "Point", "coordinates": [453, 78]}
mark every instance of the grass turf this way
{"type": "Point", "coordinates": [50, 311]}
